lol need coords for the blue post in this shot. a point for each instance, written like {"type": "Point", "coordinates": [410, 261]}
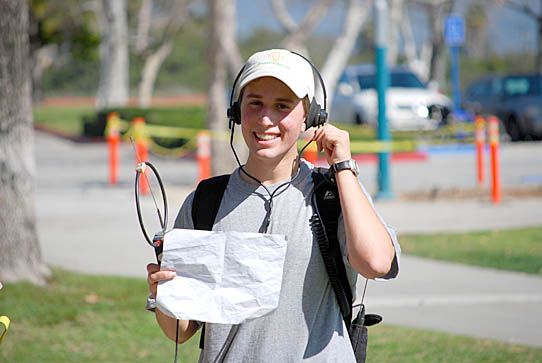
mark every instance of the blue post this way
{"type": "Point", "coordinates": [454, 65]}
{"type": "Point", "coordinates": [382, 79]}
{"type": "Point", "coordinates": [454, 35]}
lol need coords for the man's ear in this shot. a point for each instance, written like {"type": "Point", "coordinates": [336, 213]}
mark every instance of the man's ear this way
{"type": "Point", "coordinates": [304, 125]}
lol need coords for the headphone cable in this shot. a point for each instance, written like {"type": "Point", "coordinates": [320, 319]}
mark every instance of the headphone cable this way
{"type": "Point", "coordinates": [280, 187]}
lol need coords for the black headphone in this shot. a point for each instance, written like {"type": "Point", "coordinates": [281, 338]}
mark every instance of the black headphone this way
{"type": "Point", "coordinates": [315, 117]}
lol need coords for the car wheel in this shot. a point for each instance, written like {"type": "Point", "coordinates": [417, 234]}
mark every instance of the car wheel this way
{"type": "Point", "coordinates": [358, 120]}
{"type": "Point", "coordinates": [513, 129]}
{"type": "Point", "coordinates": [438, 115]}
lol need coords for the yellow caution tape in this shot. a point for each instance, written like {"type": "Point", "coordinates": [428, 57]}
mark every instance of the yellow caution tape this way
{"type": "Point", "coordinates": [440, 136]}
{"type": "Point", "coordinates": [177, 152]}
{"type": "Point", "coordinates": [376, 146]}
{"type": "Point", "coordinates": [4, 320]}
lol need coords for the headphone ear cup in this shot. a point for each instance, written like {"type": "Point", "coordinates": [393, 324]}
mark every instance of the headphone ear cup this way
{"type": "Point", "coordinates": [322, 117]}
{"type": "Point", "coordinates": [316, 116]}
{"type": "Point", "coordinates": [234, 113]}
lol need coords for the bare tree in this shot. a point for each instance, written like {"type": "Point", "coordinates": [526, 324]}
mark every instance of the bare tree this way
{"type": "Point", "coordinates": [113, 89]}
{"type": "Point", "coordinates": [396, 8]}
{"type": "Point", "coordinates": [56, 29]}
{"type": "Point", "coordinates": [297, 33]}
{"type": "Point", "coordinates": [222, 31]}
{"type": "Point", "coordinates": [20, 256]}
{"type": "Point", "coordinates": [166, 21]}
{"type": "Point", "coordinates": [42, 59]}
{"type": "Point", "coordinates": [476, 32]}
{"type": "Point", "coordinates": [417, 61]}
{"type": "Point", "coordinates": [526, 9]}
{"type": "Point", "coordinates": [356, 12]}
{"type": "Point", "coordinates": [436, 11]}
{"type": "Point", "coordinates": [233, 54]}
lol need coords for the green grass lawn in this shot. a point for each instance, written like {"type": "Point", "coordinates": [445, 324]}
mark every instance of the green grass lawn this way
{"type": "Point", "coordinates": [511, 249]}
{"type": "Point", "coordinates": [67, 120]}
{"type": "Point", "coordinates": [81, 318]}
{"type": "Point", "coordinates": [87, 318]}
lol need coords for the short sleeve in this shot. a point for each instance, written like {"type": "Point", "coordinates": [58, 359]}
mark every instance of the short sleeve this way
{"type": "Point", "coordinates": [341, 234]}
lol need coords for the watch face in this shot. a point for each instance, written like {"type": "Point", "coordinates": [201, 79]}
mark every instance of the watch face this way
{"type": "Point", "coordinates": [354, 165]}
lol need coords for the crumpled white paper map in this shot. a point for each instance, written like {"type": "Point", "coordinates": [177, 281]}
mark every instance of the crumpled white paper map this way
{"type": "Point", "coordinates": [222, 277]}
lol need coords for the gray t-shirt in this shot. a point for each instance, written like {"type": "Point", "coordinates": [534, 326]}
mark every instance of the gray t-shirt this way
{"type": "Point", "coordinates": [307, 325]}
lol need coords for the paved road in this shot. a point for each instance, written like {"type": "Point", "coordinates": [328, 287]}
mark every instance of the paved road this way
{"type": "Point", "coordinates": [86, 225]}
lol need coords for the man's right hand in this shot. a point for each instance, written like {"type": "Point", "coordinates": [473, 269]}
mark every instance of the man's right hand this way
{"type": "Point", "coordinates": [154, 275]}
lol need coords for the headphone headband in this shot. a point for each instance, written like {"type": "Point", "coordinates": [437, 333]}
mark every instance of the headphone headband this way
{"type": "Point", "coordinates": [315, 117]}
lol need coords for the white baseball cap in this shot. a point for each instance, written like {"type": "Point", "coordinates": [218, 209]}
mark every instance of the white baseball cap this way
{"type": "Point", "coordinates": [290, 68]}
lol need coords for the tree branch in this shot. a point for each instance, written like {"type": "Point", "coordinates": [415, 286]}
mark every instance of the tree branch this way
{"type": "Point", "coordinates": [283, 16]}
{"type": "Point", "coordinates": [522, 8]}
{"type": "Point", "coordinates": [297, 37]}
{"type": "Point", "coordinates": [314, 15]}
{"type": "Point", "coordinates": [356, 12]}
{"type": "Point", "coordinates": [143, 25]}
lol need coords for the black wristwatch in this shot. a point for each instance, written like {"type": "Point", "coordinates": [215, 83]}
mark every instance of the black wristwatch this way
{"type": "Point", "coordinates": [347, 164]}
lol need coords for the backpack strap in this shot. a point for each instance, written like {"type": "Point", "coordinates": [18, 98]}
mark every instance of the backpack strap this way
{"type": "Point", "coordinates": [205, 205]}
{"type": "Point", "coordinates": [325, 224]}
{"type": "Point", "coordinates": [207, 198]}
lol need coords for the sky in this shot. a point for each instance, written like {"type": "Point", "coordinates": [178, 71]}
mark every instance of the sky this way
{"type": "Point", "coordinates": [508, 29]}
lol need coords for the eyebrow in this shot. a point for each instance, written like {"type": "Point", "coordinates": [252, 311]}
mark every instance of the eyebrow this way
{"type": "Point", "coordinates": [255, 95]}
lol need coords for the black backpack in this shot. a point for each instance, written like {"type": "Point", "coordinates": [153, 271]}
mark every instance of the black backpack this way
{"type": "Point", "coordinates": [324, 223]}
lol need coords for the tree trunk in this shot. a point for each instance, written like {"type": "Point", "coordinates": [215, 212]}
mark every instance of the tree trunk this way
{"type": "Point", "coordinates": [41, 60]}
{"type": "Point", "coordinates": [155, 52]}
{"type": "Point", "coordinates": [222, 28]}
{"type": "Point", "coordinates": [150, 71]}
{"type": "Point", "coordinates": [396, 13]}
{"type": "Point", "coordinates": [20, 256]}
{"type": "Point", "coordinates": [113, 89]}
{"type": "Point", "coordinates": [476, 31]}
{"type": "Point", "coordinates": [436, 13]}
{"type": "Point", "coordinates": [144, 20]}
{"type": "Point", "coordinates": [356, 14]}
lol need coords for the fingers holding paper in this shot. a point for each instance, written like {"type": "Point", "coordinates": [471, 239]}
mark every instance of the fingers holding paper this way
{"type": "Point", "coordinates": [155, 275]}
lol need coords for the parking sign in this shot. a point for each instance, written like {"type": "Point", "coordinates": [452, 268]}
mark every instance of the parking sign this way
{"type": "Point", "coordinates": [454, 30]}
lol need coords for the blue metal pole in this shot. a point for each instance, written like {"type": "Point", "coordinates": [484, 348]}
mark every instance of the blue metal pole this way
{"type": "Point", "coordinates": [454, 64]}
{"type": "Point", "coordinates": [382, 80]}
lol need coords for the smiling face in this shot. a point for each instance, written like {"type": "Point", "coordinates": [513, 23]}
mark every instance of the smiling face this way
{"type": "Point", "coordinates": [272, 118]}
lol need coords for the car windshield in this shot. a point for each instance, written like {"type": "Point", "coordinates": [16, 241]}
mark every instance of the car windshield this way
{"type": "Point", "coordinates": [523, 86]}
{"type": "Point", "coordinates": [398, 79]}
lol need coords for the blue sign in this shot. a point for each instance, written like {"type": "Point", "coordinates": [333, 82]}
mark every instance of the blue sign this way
{"type": "Point", "coordinates": [454, 30]}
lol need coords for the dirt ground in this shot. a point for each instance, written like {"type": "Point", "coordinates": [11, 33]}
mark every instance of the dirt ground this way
{"type": "Point", "coordinates": [482, 194]}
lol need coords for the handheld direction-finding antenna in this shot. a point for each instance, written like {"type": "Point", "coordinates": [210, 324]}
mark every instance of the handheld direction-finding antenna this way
{"type": "Point", "coordinates": [158, 240]}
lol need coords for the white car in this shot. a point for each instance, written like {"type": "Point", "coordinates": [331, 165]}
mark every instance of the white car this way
{"type": "Point", "coordinates": [410, 104]}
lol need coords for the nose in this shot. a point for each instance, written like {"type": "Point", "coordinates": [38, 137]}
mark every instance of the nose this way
{"type": "Point", "coordinates": [266, 117]}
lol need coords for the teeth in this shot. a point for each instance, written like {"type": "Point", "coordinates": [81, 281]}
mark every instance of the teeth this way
{"type": "Point", "coordinates": [266, 136]}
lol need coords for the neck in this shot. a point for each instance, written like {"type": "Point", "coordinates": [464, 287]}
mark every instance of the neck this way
{"type": "Point", "coordinates": [269, 172]}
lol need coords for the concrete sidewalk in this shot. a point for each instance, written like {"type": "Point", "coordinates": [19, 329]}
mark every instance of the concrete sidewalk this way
{"type": "Point", "coordinates": [88, 226]}
{"type": "Point", "coordinates": [460, 299]}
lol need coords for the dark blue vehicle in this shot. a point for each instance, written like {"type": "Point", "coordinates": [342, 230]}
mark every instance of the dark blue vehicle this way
{"type": "Point", "coordinates": [515, 99]}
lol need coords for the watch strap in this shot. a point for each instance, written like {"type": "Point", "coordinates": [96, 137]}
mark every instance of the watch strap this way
{"type": "Point", "coordinates": [347, 164]}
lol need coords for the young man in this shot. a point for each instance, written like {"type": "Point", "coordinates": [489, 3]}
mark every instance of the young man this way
{"type": "Point", "coordinates": [274, 91]}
